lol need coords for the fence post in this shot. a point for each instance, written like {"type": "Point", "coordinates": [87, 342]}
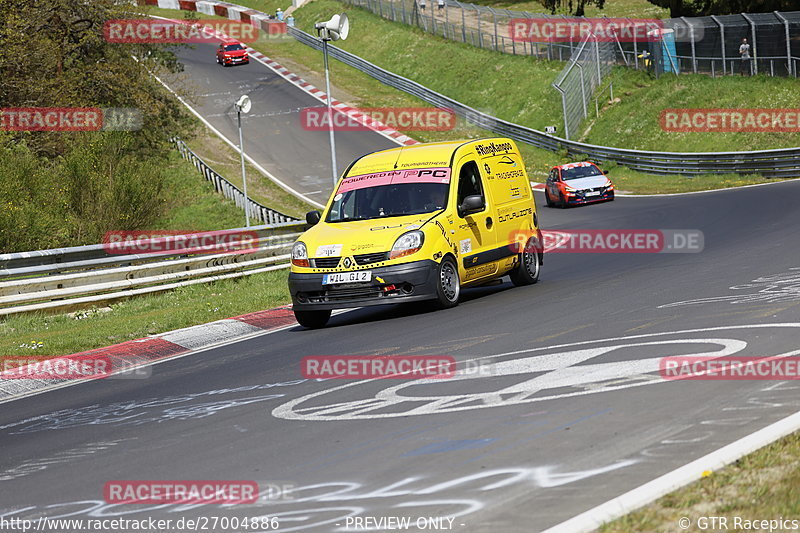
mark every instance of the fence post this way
{"type": "Point", "coordinates": [463, 24]}
{"type": "Point", "coordinates": [403, 3]}
{"type": "Point", "coordinates": [722, 40]}
{"type": "Point", "coordinates": [583, 90]}
{"type": "Point", "coordinates": [691, 37]}
{"type": "Point", "coordinates": [563, 109]}
{"type": "Point", "coordinates": [496, 40]}
{"type": "Point", "coordinates": [480, 35]}
{"type": "Point", "coordinates": [788, 42]}
{"type": "Point", "coordinates": [754, 64]}
{"type": "Point", "coordinates": [597, 58]}
{"type": "Point", "coordinates": [446, 23]}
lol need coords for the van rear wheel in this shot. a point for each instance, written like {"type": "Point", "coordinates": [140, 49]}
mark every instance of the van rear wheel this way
{"type": "Point", "coordinates": [527, 271]}
{"type": "Point", "coordinates": [312, 319]}
{"type": "Point", "coordinates": [448, 285]}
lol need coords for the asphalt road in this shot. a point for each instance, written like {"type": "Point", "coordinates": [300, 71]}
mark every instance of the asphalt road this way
{"type": "Point", "coordinates": [509, 452]}
{"type": "Point", "coordinates": [274, 134]}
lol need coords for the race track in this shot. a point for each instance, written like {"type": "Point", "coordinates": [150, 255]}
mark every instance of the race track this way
{"type": "Point", "coordinates": [273, 131]}
{"type": "Point", "coordinates": [582, 416]}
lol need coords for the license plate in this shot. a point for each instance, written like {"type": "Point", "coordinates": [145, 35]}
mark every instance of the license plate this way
{"type": "Point", "coordinates": [593, 193]}
{"type": "Point", "coordinates": [347, 277]}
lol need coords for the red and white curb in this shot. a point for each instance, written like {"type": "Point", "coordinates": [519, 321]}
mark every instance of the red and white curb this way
{"type": "Point", "coordinates": [353, 113]}
{"type": "Point", "coordinates": [261, 21]}
{"type": "Point", "coordinates": [130, 355]}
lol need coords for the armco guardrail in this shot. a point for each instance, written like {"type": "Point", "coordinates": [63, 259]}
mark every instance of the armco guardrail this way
{"type": "Point", "coordinates": [257, 211]}
{"type": "Point", "coordinates": [81, 276]}
{"type": "Point", "coordinates": [770, 163]}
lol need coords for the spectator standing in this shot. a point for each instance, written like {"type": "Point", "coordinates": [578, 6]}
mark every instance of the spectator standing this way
{"type": "Point", "coordinates": [279, 14]}
{"type": "Point", "coordinates": [290, 21]}
{"type": "Point", "coordinates": [744, 53]}
{"type": "Point", "coordinates": [440, 3]}
{"type": "Point", "coordinates": [422, 5]}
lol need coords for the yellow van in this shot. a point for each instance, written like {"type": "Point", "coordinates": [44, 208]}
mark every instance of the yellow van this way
{"type": "Point", "coordinates": [418, 223]}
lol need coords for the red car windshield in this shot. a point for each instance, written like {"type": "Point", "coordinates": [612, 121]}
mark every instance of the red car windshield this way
{"type": "Point", "coordinates": [580, 172]}
{"type": "Point", "coordinates": [233, 47]}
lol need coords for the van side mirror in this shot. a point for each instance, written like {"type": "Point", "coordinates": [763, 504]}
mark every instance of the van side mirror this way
{"type": "Point", "coordinates": [312, 217]}
{"type": "Point", "coordinates": [605, 172]}
{"type": "Point", "coordinates": [471, 204]}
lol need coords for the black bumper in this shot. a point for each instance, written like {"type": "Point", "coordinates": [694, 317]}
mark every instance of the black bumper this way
{"type": "Point", "coordinates": [412, 281]}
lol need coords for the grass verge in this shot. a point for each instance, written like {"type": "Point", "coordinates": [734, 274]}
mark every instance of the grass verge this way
{"type": "Point", "coordinates": [226, 162]}
{"type": "Point", "coordinates": [50, 335]}
{"type": "Point", "coordinates": [764, 485]}
{"type": "Point", "coordinates": [532, 102]}
{"type": "Point", "coordinates": [192, 205]}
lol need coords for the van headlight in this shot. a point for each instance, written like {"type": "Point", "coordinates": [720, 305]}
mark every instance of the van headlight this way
{"type": "Point", "coordinates": [299, 254]}
{"type": "Point", "coordinates": [407, 244]}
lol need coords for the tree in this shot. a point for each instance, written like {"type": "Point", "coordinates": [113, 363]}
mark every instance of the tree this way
{"type": "Point", "coordinates": [696, 8]}
{"type": "Point", "coordinates": [54, 55]}
{"type": "Point", "coordinates": [573, 7]}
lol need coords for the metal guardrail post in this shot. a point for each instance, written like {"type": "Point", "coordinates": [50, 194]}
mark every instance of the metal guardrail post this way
{"type": "Point", "coordinates": [691, 37]}
{"type": "Point", "coordinates": [463, 25]}
{"type": "Point", "coordinates": [788, 41]}
{"type": "Point", "coordinates": [722, 41]}
{"type": "Point", "coordinates": [496, 40]}
{"type": "Point", "coordinates": [563, 109]}
{"type": "Point", "coordinates": [583, 90]}
{"type": "Point", "coordinates": [480, 34]}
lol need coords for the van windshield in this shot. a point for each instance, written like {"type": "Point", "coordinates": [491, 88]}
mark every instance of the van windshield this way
{"type": "Point", "coordinates": [390, 194]}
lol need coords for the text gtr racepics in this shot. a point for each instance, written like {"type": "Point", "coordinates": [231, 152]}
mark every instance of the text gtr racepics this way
{"type": "Point", "coordinates": [418, 223]}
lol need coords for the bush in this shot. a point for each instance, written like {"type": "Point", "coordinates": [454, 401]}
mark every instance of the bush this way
{"type": "Point", "coordinates": [98, 186]}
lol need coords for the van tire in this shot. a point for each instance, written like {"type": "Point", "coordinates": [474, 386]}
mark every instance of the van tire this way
{"type": "Point", "coordinates": [448, 284]}
{"type": "Point", "coordinates": [312, 319]}
{"type": "Point", "coordinates": [527, 271]}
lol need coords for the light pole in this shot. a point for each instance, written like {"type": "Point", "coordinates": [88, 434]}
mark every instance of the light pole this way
{"type": "Point", "coordinates": [336, 28]}
{"type": "Point", "coordinates": [243, 106]}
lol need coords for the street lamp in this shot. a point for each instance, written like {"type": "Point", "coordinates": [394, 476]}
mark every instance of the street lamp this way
{"type": "Point", "coordinates": [336, 28]}
{"type": "Point", "coordinates": [243, 105]}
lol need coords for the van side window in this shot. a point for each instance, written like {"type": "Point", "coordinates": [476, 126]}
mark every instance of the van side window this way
{"type": "Point", "coordinates": [553, 175]}
{"type": "Point", "coordinates": [469, 182]}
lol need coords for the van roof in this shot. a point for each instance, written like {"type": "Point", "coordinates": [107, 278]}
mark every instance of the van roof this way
{"type": "Point", "coordinates": [428, 155]}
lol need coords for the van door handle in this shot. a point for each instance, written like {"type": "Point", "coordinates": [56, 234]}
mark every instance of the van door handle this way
{"type": "Point", "coordinates": [489, 222]}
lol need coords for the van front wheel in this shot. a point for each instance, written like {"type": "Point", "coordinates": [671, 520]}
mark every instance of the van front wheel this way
{"type": "Point", "coordinates": [448, 285]}
{"type": "Point", "coordinates": [527, 271]}
{"type": "Point", "coordinates": [312, 319]}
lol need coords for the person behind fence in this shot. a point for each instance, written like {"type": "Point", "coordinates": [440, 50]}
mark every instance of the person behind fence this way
{"type": "Point", "coordinates": [279, 14]}
{"type": "Point", "coordinates": [647, 58]}
{"type": "Point", "coordinates": [290, 21]}
{"type": "Point", "coordinates": [744, 53]}
{"type": "Point", "coordinates": [422, 5]}
{"type": "Point", "coordinates": [440, 4]}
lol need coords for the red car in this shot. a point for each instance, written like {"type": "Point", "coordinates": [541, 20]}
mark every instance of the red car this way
{"type": "Point", "coordinates": [577, 183]}
{"type": "Point", "coordinates": [232, 53]}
